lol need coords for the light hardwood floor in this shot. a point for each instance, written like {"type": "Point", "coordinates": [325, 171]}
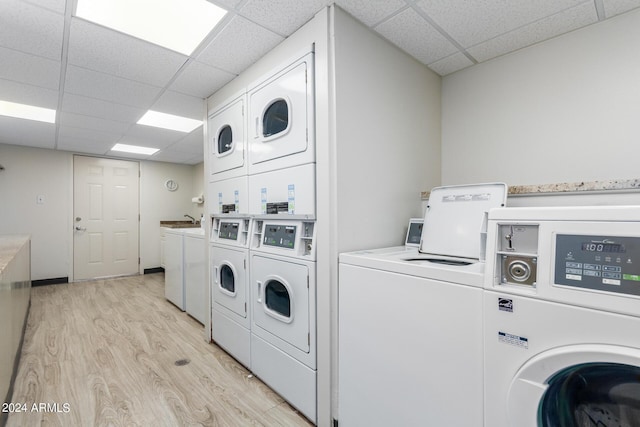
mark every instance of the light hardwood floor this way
{"type": "Point", "coordinates": [107, 349]}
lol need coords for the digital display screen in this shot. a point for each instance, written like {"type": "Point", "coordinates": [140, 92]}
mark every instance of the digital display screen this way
{"type": "Point", "coordinates": [282, 236]}
{"type": "Point", "coordinates": [229, 230]}
{"type": "Point", "coordinates": [615, 248]}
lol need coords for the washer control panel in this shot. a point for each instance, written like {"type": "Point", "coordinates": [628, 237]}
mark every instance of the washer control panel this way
{"type": "Point", "coordinates": [603, 263]}
{"type": "Point", "coordinates": [282, 236]}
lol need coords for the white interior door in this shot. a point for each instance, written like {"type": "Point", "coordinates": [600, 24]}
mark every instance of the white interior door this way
{"type": "Point", "coordinates": [105, 217]}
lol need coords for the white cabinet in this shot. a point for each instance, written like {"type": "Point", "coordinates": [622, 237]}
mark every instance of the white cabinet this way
{"type": "Point", "coordinates": [162, 242]}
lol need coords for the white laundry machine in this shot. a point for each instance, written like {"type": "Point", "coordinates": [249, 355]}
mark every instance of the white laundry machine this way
{"type": "Point", "coordinates": [562, 314]}
{"type": "Point", "coordinates": [226, 129]}
{"type": "Point", "coordinates": [229, 252]}
{"type": "Point", "coordinates": [174, 267]}
{"type": "Point", "coordinates": [195, 265]}
{"type": "Point", "coordinates": [291, 190]}
{"type": "Point", "coordinates": [410, 322]}
{"type": "Point", "coordinates": [282, 116]}
{"type": "Point", "coordinates": [229, 196]}
{"type": "Point", "coordinates": [283, 309]}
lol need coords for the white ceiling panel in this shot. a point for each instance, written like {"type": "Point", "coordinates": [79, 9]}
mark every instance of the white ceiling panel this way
{"type": "Point", "coordinates": [100, 49]}
{"type": "Point", "coordinates": [201, 80]}
{"type": "Point", "coordinates": [83, 146]}
{"type": "Point", "coordinates": [57, 6]}
{"type": "Point", "coordinates": [30, 69]}
{"type": "Point", "coordinates": [451, 64]}
{"type": "Point", "coordinates": [417, 37]}
{"type": "Point", "coordinates": [93, 136]}
{"type": "Point", "coordinates": [93, 84]}
{"type": "Point", "coordinates": [371, 12]}
{"type": "Point", "coordinates": [560, 23]}
{"type": "Point", "coordinates": [616, 7]}
{"type": "Point", "coordinates": [152, 137]}
{"type": "Point", "coordinates": [192, 143]}
{"type": "Point", "coordinates": [281, 16]}
{"type": "Point", "coordinates": [238, 45]}
{"type": "Point", "coordinates": [180, 104]}
{"type": "Point", "coordinates": [225, 4]}
{"type": "Point", "coordinates": [102, 109]}
{"type": "Point", "coordinates": [470, 22]}
{"type": "Point", "coordinates": [27, 132]}
{"type": "Point", "coordinates": [92, 123]}
{"type": "Point", "coordinates": [28, 94]}
{"type": "Point", "coordinates": [31, 29]}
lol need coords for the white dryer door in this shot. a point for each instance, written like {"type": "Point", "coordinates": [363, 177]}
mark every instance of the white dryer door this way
{"type": "Point", "coordinates": [281, 301]}
{"type": "Point", "coordinates": [227, 137]}
{"type": "Point", "coordinates": [229, 287]}
{"type": "Point", "coordinates": [578, 385]}
{"type": "Point", "coordinates": [281, 115]}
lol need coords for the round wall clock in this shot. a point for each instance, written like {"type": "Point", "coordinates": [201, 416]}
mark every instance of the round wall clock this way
{"type": "Point", "coordinates": [171, 185]}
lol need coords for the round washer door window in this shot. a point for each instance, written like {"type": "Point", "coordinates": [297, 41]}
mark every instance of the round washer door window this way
{"type": "Point", "coordinates": [277, 298]}
{"type": "Point", "coordinates": [227, 279]}
{"type": "Point", "coordinates": [592, 394]}
{"type": "Point", "coordinates": [225, 139]}
{"type": "Point", "coordinates": [275, 118]}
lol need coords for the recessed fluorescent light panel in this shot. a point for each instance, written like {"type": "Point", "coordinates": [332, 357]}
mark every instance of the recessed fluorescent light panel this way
{"type": "Point", "coordinates": [169, 121]}
{"type": "Point", "coordinates": [179, 25]}
{"type": "Point", "coordinates": [135, 149]}
{"type": "Point", "coordinates": [29, 112]}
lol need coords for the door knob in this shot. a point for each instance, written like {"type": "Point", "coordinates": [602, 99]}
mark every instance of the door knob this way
{"type": "Point", "coordinates": [81, 228]}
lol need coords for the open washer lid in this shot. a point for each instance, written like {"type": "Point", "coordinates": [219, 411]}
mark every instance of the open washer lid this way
{"type": "Point", "coordinates": [456, 219]}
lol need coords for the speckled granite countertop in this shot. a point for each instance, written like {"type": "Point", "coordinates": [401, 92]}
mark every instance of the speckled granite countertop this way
{"type": "Point", "coordinates": [569, 187]}
{"type": "Point", "coordinates": [9, 246]}
{"type": "Point", "coordinates": [179, 224]}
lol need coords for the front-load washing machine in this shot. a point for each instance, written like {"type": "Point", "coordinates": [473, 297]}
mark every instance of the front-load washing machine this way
{"type": "Point", "coordinates": [562, 314]}
{"type": "Point", "coordinates": [281, 118]}
{"type": "Point", "coordinates": [229, 196]}
{"type": "Point", "coordinates": [229, 252]}
{"type": "Point", "coordinates": [410, 322]}
{"type": "Point", "coordinates": [283, 309]}
{"type": "Point", "coordinates": [226, 129]}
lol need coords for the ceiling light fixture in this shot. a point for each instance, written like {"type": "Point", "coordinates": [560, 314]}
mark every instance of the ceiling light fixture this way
{"type": "Point", "coordinates": [29, 112]}
{"type": "Point", "coordinates": [179, 25]}
{"type": "Point", "coordinates": [169, 121]}
{"type": "Point", "coordinates": [135, 149]}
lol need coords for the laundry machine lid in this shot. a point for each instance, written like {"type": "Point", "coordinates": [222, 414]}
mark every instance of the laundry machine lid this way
{"type": "Point", "coordinates": [455, 221]}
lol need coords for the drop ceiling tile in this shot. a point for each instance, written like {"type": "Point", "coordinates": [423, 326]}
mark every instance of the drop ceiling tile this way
{"type": "Point", "coordinates": [103, 109]}
{"type": "Point", "coordinates": [93, 84]}
{"type": "Point", "coordinates": [201, 80]}
{"type": "Point", "coordinates": [471, 22]}
{"type": "Point", "coordinates": [543, 29]}
{"type": "Point", "coordinates": [91, 123]}
{"type": "Point", "coordinates": [225, 4]}
{"type": "Point", "coordinates": [281, 16]}
{"type": "Point", "coordinates": [27, 133]}
{"type": "Point", "coordinates": [57, 6]}
{"type": "Point", "coordinates": [154, 135]}
{"type": "Point", "coordinates": [451, 64]}
{"type": "Point", "coordinates": [192, 143]}
{"type": "Point", "coordinates": [93, 136]}
{"type": "Point", "coordinates": [371, 12]}
{"type": "Point", "coordinates": [30, 69]}
{"type": "Point", "coordinates": [28, 94]}
{"type": "Point", "coordinates": [239, 44]}
{"type": "Point", "coordinates": [83, 146]}
{"type": "Point", "coordinates": [31, 29]}
{"type": "Point", "coordinates": [411, 33]}
{"type": "Point", "coordinates": [150, 143]}
{"type": "Point", "coordinates": [616, 7]}
{"type": "Point", "coordinates": [101, 49]}
{"type": "Point", "coordinates": [181, 105]}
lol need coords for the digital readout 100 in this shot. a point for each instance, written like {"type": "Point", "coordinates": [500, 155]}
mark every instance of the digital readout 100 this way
{"type": "Point", "coordinates": [603, 247]}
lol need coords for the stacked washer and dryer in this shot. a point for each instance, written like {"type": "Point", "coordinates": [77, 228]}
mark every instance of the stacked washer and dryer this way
{"type": "Point", "coordinates": [262, 200]}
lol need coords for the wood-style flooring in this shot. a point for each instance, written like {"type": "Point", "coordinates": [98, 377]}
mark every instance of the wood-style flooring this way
{"type": "Point", "coordinates": [104, 353]}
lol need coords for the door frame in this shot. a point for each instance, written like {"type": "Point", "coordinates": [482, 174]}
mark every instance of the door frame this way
{"type": "Point", "coordinates": [71, 265]}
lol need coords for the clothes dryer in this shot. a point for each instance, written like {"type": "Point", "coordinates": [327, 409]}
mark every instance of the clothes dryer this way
{"type": "Point", "coordinates": [229, 254]}
{"type": "Point", "coordinates": [226, 130]}
{"type": "Point", "coordinates": [410, 322]}
{"type": "Point", "coordinates": [291, 191]}
{"type": "Point", "coordinates": [283, 309]}
{"type": "Point", "coordinates": [562, 311]}
{"type": "Point", "coordinates": [282, 117]}
{"type": "Point", "coordinates": [229, 196]}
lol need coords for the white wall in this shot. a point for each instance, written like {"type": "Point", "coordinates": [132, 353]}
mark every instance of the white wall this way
{"type": "Point", "coordinates": [564, 110]}
{"type": "Point", "coordinates": [30, 172]}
